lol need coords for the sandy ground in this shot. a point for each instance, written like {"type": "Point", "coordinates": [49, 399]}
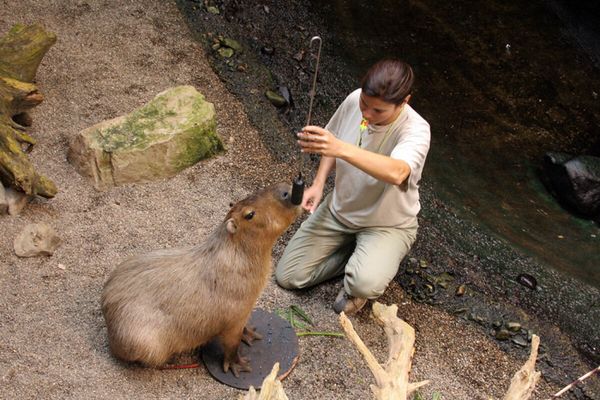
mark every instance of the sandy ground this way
{"type": "Point", "coordinates": [111, 57]}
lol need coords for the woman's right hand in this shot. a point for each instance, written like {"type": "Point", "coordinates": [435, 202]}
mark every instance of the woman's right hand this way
{"type": "Point", "coordinates": [311, 198]}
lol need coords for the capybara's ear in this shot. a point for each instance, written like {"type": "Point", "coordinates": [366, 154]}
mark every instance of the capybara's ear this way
{"type": "Point", "coordinates": [231, 226]}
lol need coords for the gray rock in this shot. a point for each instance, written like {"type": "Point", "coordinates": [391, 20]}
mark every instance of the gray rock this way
{"type": "Point", "coordinates": [172, 132]}
{"type": "Point", "coordinates": [36, 240]}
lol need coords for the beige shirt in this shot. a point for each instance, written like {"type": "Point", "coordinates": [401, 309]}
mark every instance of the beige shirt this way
{"type": "Point", "coordinates": [358, 199]}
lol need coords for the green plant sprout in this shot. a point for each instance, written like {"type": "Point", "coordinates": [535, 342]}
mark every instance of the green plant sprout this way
{"type": "Point", "coordinates": [300, 320]}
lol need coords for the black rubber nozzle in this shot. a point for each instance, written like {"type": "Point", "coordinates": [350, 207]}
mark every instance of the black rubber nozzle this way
{"type": "Point", "coordinates": [297, 190]}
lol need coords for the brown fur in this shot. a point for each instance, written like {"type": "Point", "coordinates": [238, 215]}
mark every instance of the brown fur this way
{"type": "Point", "coordinates": [171, 301]}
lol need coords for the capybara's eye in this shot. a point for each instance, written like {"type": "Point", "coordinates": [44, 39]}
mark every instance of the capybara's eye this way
{"type": "Point", "coordinates": [285, 195]}
{"type": "Point", "coordinates": [249, 215]}
{"type": "Point", "coordinates": [230, 204]}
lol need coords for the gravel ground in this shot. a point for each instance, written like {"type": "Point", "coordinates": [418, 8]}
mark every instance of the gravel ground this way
{"type": "Point", "coordinates": [111, 57]}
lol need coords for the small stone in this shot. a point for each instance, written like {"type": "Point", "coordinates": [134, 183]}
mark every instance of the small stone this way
{"type": "Point", "coordinates": [520, 341]}
{"type": "Point", "coordinates": [502, 334]}
{"type": "Point", "coordinates": [275, 98]}
{"type": "Point", "coordinates": [513, 326]}
{"type": "Point", "coordinates": [461, 290]}
{"type": "Point", "coordinates": [35, 240]}
{"type": "Point", "coordinates": [232, 44]}
{"type": "Point", "coordinates": [444, 279]}
{"type": "Point", "coordinates": [241, 68]}
{"type": "Point", "coordinates": [269, 51]}
{"type": "Point", "coordinates": [527, 281]}
{"type": "Point", "coordinates": [423, 263]}
{"type": "Point", "coordinates": [497, 324]}
{"type": "Point", "coordinates": [61, 266]}
{"type": "Point", "coordinates": [213, 10]}
{"type": "Point", "coordinates": [225, 52]}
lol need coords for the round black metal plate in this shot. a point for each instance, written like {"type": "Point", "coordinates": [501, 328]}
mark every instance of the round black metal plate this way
{"type": "Point", "coordinates": [279, 344]}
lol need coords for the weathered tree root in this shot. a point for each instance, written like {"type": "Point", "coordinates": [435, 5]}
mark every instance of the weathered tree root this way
{"type": "Point", "coordinates": [21, 52]}
{"type": "Point", "coordinates": [391, 378]}
{"type": "Point", "coordinates": [271, 388]}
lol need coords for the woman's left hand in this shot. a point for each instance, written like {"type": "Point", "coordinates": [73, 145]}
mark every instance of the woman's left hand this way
{"type": "Point", "coordinates": [314, 139]}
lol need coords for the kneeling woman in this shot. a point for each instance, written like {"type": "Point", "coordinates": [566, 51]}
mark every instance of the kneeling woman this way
{"type": "Point", "coordinates": [377, 145]}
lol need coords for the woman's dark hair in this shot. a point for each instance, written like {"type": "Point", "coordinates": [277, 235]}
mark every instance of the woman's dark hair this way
{"type": "Point", "coordinates": [390, 80]}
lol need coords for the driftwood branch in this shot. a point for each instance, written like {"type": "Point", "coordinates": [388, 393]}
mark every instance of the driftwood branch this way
{"type": "Point", "coordinates": [271, 388]}
{"type": "Point", "coordinates": [21, 52]}
{"type": "Point", "coordinates": [523, 382]}
{"type": "Point", "coordinates": [391, 378]}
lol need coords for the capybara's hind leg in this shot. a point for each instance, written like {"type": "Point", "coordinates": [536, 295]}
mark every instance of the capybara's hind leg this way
{"type": "Point", "coordinates": [230, 341]}
{"type": "Point", "coordinates": [145, 346]}
{"type": "Point", "coordinates": [250, 334]}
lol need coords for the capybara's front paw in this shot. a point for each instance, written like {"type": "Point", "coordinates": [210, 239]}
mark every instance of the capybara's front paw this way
{"type": "Point", "coordinates": [237, 364]}
{"type": "Point", "coordinates": [249, 335]}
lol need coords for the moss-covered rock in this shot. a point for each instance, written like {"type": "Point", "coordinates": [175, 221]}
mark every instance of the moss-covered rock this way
{"type": "Point", "coordinates": [172, 132]}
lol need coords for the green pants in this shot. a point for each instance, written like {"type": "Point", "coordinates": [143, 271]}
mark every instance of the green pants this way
{"type": "Point", "coordinates": [324, 248]}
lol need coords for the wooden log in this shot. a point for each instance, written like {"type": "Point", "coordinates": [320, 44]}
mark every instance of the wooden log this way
{"type": "Point", "coordinates": [21, 52]}
{"type": "Point", "coordinates": [391, 378]}
{"type": "Point", "coordinates": [523, 382]}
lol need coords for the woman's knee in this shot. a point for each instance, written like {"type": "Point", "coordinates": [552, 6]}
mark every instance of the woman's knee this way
{"type": "Point", "coordinates": [366, 287]}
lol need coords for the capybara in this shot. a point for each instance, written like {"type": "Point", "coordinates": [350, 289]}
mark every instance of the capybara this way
{"type": "Point", "coordinates": [171, 301]}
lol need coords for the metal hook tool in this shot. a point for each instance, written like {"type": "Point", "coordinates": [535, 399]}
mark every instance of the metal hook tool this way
{"type": "Point", "coordinates": [298, 184]}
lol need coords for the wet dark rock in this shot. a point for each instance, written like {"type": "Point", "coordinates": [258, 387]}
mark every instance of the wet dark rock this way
{"type": "Point", "coordinates": [225, 52]}
{"type": "Point", "coordinates": [520, 341]}
{"type": "Point", "coordinates": [232, 44]}
{"type": "Point", "coordinates": [502, 334]}
{"type": "Point", "coordinates": [266, 50]}
{"type": "Point", "coordinates": [527, 280]}
{"type": "Point", "coordinates": [443, 280]}
{"type": "Point", "coordinates": [284, 91]}
{"type": "Point", "coordinates": [575, 182]}
{"type": "Point", "coordinates": [513, 326]}
{"type": "Point", "coordinates": [275, 98]}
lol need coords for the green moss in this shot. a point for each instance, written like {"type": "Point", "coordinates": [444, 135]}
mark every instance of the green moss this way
{"type": "Point", "coordinates": [203, 143]}
{"type": "Point", "coordinates": [134, 131]}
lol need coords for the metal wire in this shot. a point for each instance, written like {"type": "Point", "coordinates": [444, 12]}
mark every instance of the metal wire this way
{"type": "Point", "coordinates": [313, 91]}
